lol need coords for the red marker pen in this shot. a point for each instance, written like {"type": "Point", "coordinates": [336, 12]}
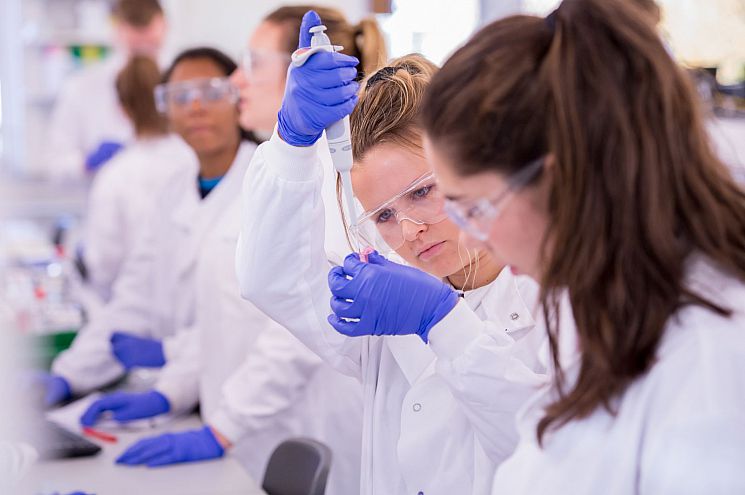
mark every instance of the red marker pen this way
{"type": "Point", "coordinates": [100, 435]}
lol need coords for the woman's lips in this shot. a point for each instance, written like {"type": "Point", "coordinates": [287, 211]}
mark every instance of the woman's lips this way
{"type": "Point", "coordinates": [431, 251]}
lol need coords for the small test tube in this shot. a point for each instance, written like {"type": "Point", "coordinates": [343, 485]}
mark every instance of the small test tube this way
{"type": "Point", "coordinates": [365, 253]}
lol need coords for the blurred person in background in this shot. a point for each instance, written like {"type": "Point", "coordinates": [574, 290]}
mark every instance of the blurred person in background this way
{"type": "Point", "coordinates": [277, 387]}
{"type": "Point", "coordinates": [124, 191]}
{"type": "Point", "coordinates": [88, 126]}
{"type": "Point", "coordinates": [152, 307]}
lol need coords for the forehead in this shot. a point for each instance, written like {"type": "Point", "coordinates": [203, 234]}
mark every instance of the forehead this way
{"type": "Point", "coordinates": [195, 69]}
{"type": "Point", "coordinates": [267, 36]}
{"type": "Point", "coordinates": [455, 186]}
{"type": "Point", "coordinates": [386, 170]}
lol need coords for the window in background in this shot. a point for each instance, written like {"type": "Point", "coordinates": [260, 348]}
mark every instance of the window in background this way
{"type": "Point", "coordinates": [434, 28]}
{"type": "Point", "coordinates": [700, 34]}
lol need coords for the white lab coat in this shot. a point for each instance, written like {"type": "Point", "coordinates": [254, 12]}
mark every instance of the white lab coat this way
{"type": "Point", "coordinates": [254, 381]}
{"type": "Point", "coordinates": [122, 195]}
{"type": "Point", "coordinates": [438, 418]}
{"type": "Point", "coordinates": [283, 390]}
{"type": "Point", "coordinates": [680, 429]}
{"type": "Point", "coordinates": [87, 113]}
{"type": "Point", "coordinates": [155, 293]}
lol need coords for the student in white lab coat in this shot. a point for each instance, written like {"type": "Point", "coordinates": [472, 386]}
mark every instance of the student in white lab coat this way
{"type": "Point", "coordinates": [124, 191]}
{"type": "Point", "coordinates": [575, 148]}
{"type": "Point", "coordinates": [279, 388]}
{"type": "Point", "coordinates": [152, 308]}
{"type": "Point", "coordinates": [254, 396]}
{"type": "Point", "coordinates": [422, 431]}
{"type": "Point", "coordinates": [88, 126]}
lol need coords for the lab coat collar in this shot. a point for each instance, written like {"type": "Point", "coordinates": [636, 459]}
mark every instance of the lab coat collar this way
{"type": "Point", "coordinates": [195, 217]}
{"type": "Point", "coordinates": [508, 301]}
{"type": "Point", "coordinates": [229, 187]}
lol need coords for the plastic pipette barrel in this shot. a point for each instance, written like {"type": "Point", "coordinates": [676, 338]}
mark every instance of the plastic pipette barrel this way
{"type": "Point", "coordinates": [338, 133]}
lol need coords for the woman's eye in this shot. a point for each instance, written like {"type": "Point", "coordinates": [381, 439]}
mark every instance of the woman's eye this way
{"type": "Point", "coordinates": [213, 94]}
{"type": "Point", "coordinates": [422, 192]}
{"type": "Point", "coordinates": [181, 98]}
{"type": "Point", "coordinates": [473, 212]}
{"type": "Point", "coordinates": [384, 216]}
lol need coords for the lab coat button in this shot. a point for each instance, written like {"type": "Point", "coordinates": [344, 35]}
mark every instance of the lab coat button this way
{"type": "Point", "coordinates": [514, 316]}
{"type": "Point", "coordinates": [417, 407]}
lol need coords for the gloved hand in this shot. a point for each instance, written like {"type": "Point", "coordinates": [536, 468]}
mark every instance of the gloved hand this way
{"type": "Point", "coordinates": [54, 389]}
{"type": "Point", "coordinates": [173, 448]}
{"type": "Point", "coordinates": [387, 298]}
{"type": "Point", "coordinates": [133, 351]}
{"type": "Point", "coordinates": [105, 151]}
{"type": "Point", "coordinates": [126, 407]}
{"type": "Point", "coordinates": [318, 93]}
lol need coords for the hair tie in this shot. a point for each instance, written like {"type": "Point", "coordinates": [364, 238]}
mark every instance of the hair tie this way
{"type": "Point", "coordinates": [387, 72]}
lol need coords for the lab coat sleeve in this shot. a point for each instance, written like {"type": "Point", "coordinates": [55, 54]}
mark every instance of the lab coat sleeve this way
{"type": "Point", "coordinates": [695, 418]}
{"type": "Point", "coordinates": [179, 378]}
{"type": "Point", "coordinates": [66, 153]}
{"type": "Point", "coordinates": [106, 223]}
{"type": "Point", "coordinates": [89, 364]}
{"type": "Point", "coordinates": [281, 261]}
{"type": "Point", "coordinates": [475, 358]}
{"type": "Point", "coordinates": [700, 455]}
{"type": "Point", "coordinates": [259, 394]}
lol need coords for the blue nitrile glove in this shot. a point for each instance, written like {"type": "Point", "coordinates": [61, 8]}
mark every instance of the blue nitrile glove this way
{"type": "Point", "coordinates": [387, 298]}
{"type": "Point", "coordinates": [173, 448]}
{"type": "Point", "coordinates": [126, 407]}
{"type": "Point", "coordinates": [318, 93]}
{"type": "Point", "coordinates": [105, 151]}
{"type": "Point", "coordinates": [133, 351]}
{"type": "Point", "coordinates": [53, 388]}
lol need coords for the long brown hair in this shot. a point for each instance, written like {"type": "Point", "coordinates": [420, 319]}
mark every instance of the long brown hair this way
{"type": "Point", "coordinates": [635, 184]}
{"type": "Point", "coordinates": [135, 84]}
{"type": "Point", "coordinates": [363, 40]}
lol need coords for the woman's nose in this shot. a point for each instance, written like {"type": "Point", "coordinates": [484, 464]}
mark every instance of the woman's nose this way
{"type": "Point", "coordinates": [411, 229]}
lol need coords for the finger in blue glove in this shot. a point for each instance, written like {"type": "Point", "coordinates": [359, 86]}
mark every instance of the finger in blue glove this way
{"type": "Point", "coordinates": [126, 406]}
{"type": "Point", "coordinates": [385, 298]}
{"type": "Point", "coordinates": [310, 19]}
{"type": "Point", "coordinates": [318, 93]}
{"type": "Point", "coordinates": [57, 390]}
{"type": "Point", "coordinates": [105, 152]}
{"type": "Point", "coordinates": [173, 448]}
{"type": "Point", "coordinates": [133, 351]}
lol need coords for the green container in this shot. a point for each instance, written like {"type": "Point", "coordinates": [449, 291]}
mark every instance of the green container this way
{"type": "Point", "coordinates": [42, 349]}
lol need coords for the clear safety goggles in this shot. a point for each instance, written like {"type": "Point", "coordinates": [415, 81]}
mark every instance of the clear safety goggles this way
{"type": "Point", "coordinates": [181, 95]}
{"type": "Point", "coordinates": [256, 63]}
{"type": "Point", "coordinates": [420, 203]}
{"type": "Point", "coordinates": [475, 217]}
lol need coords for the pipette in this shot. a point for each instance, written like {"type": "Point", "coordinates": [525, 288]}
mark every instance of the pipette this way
{"type": "Point", "coordinates": [337, 134]}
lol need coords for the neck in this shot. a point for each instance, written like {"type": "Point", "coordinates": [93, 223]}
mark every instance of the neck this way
{"type": "Point", "coordinates": [217, 164]}
{"type": "Point", "coordinates": [149, 133]}
{"type": "Point", "coordinates": [482, 270]}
